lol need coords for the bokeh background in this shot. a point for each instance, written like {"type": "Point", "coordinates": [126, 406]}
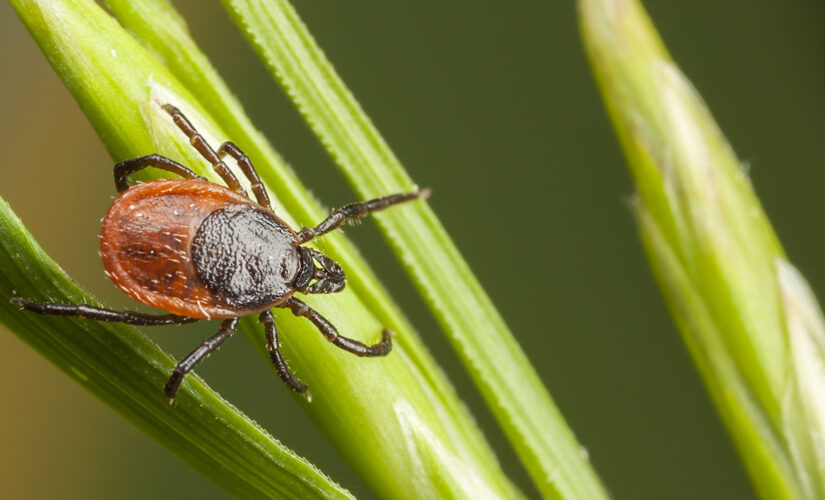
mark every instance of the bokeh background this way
{"type": "Point", "coordinates": [494, 106]}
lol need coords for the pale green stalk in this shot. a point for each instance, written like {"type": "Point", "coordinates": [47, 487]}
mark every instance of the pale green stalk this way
{"type": "Point", "coordinates": [402, 432]}
{"type": "Point", "coordinates": [127, 371]}
{"type": "Point", "coordinates": [161, 28]}
{"type": "Point", "coordinates": [157, 25]}
{"type": "Point", "coordinates": [494, 359]}
{"type": "Point", "coordinates": [747, 316]}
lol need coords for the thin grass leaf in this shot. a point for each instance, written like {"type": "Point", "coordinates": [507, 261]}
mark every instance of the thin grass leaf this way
{"type": "Point", "coordinates": [494, 359]}
{"type": "Point", "coordinates": [399, 430]}
{"type": "Point", "coordinates": [126, 370]}
{"type": "Point", "coordinates": [161, 28]}
{"type": "Point", "coordinates": [747, 316]}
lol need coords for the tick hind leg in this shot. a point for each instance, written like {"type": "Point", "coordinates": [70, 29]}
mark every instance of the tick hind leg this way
{"type": "Point", "coordinates": [199, 143]}
{"type": "Point", "coordinates": [100, 314]}
{"type": "Point", "coordinates": [206, 348]}
{"type": "Point", "coordinates": [277, 359]}
{"type": "Point", "coordinates": [356, 347]}
{"type": "Point", "coordinates": [357, 211]}
{"type": "Point", "coordinates": [125, 169]}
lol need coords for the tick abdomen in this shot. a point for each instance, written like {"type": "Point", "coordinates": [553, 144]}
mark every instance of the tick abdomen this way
{"type": "Point", "coordinates": [147, 244]}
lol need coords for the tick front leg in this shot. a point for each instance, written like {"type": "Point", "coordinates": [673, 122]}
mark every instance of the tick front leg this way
{"type": "Point", "coordinates": [206, 348]}
{"type": "Point", "coordinates": [277, 359]}
{"type": "Point", "coordinates": [100, 314]}
{"type": "Point", "coordinates": [200, 144]}
{"type": "Point", "coordinates": [245, 164]}
{"type": "Point", "coordinates": [325, 327]}
{"type": "Point", "coordinates": [357, 211]}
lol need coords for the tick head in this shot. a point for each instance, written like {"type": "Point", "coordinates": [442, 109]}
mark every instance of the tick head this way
{"type": "Point", "coordinates": [327, 274]}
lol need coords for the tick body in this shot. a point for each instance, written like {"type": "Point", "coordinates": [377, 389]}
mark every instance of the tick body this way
{"type": "Point", "coordinates": [197, 249]}
{"type": "Point", "coordinates": [200, 251]}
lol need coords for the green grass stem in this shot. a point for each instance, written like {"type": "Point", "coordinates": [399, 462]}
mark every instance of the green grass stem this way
{"type": "Point", "coordinates": [498, 366]}
{"type": "Point", "coordinates": [395, 419]}
{"type": "Point", "coordinates": [748, 318]}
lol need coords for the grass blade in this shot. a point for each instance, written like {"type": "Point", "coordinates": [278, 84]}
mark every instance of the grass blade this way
{"type": "Point", "coordinates": [747, 316]}
{"type": "Point", "coordinates": [127, 371]}
{"type": "Point", "coordinates": [516, 396]}
{"type": "Point", "coordinates": [395, 419]}
{"type": "Point", "coordinates": [161, 28]}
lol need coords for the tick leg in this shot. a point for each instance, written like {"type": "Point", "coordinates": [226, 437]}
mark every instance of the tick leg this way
{"type": "Point", "coordinates": [357, 211]}
{"type": "Point", "coordinates": [325, 327]}
{"type": "Point", "coordinates": [275, 354]}
{"type": "Point", "coordinates": [206, 348]}
{"type": "Point", "coordinates": [128, 167]}
{"type": "Point", "coordinates": [229, 148]}
{"type": "Point", "coordinates": [204, 148]}
{"type": "Point", "coordinates": [101, 314]}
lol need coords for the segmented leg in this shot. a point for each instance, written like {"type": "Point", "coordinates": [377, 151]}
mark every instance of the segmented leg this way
{"type": "Point", "coordinates": [206, 348]}
{"type": "Point", "coordinates": [204, 148]}
{"type": "Point", "coordinates": [124, 169]}
{"type": "Point", "coordinates": [101, 314]}
{"type": "Point", "coordinates": [277, 359]}
{"type": "Point", "coordinates": [325, 327]}
{"type": "Point", "coordinates": [229, 148]}
{"type": "Point", "coordinates": [357, 211]}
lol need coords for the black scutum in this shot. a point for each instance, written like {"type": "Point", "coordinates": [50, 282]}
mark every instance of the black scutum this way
{"type": "Point", "coordinates": [245, 256]}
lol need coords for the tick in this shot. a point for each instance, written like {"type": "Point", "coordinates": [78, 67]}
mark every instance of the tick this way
{"type": "Point", "coordinates": [202, 251]}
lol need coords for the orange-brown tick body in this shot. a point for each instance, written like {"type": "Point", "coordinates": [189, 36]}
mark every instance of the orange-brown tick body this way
{"type": "Point", "coordinates": [161, 240]}
{"type": "Point", "coordinates": [199, 250]}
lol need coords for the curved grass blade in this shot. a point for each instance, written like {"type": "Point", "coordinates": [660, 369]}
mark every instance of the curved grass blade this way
{"type": "Point", "coordinates": [395, 427]}
{"type": "Point", "coordinates": [127, 371]}
{"type": "Point", "coordinates": [747, 316]}
{"type": "Point", "coordinates": [516, 396]}
{"type": "Point", "coordinates": [161, 28]}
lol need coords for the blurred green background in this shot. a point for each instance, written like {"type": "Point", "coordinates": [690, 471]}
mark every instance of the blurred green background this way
{"type": "Point", "coordinates": [495, 108]}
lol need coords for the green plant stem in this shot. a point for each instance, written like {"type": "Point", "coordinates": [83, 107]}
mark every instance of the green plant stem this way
{"type": "Point", "coordinates": [747, 316]}
{"type": "Point", "coordinates": [405, 435]}
{"type": "Point", "coordinates": [127, 371]}
{"type": "Point", "coordinates": [494, 359]}
{"type": "Point", "coordinates": [161, 28]}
